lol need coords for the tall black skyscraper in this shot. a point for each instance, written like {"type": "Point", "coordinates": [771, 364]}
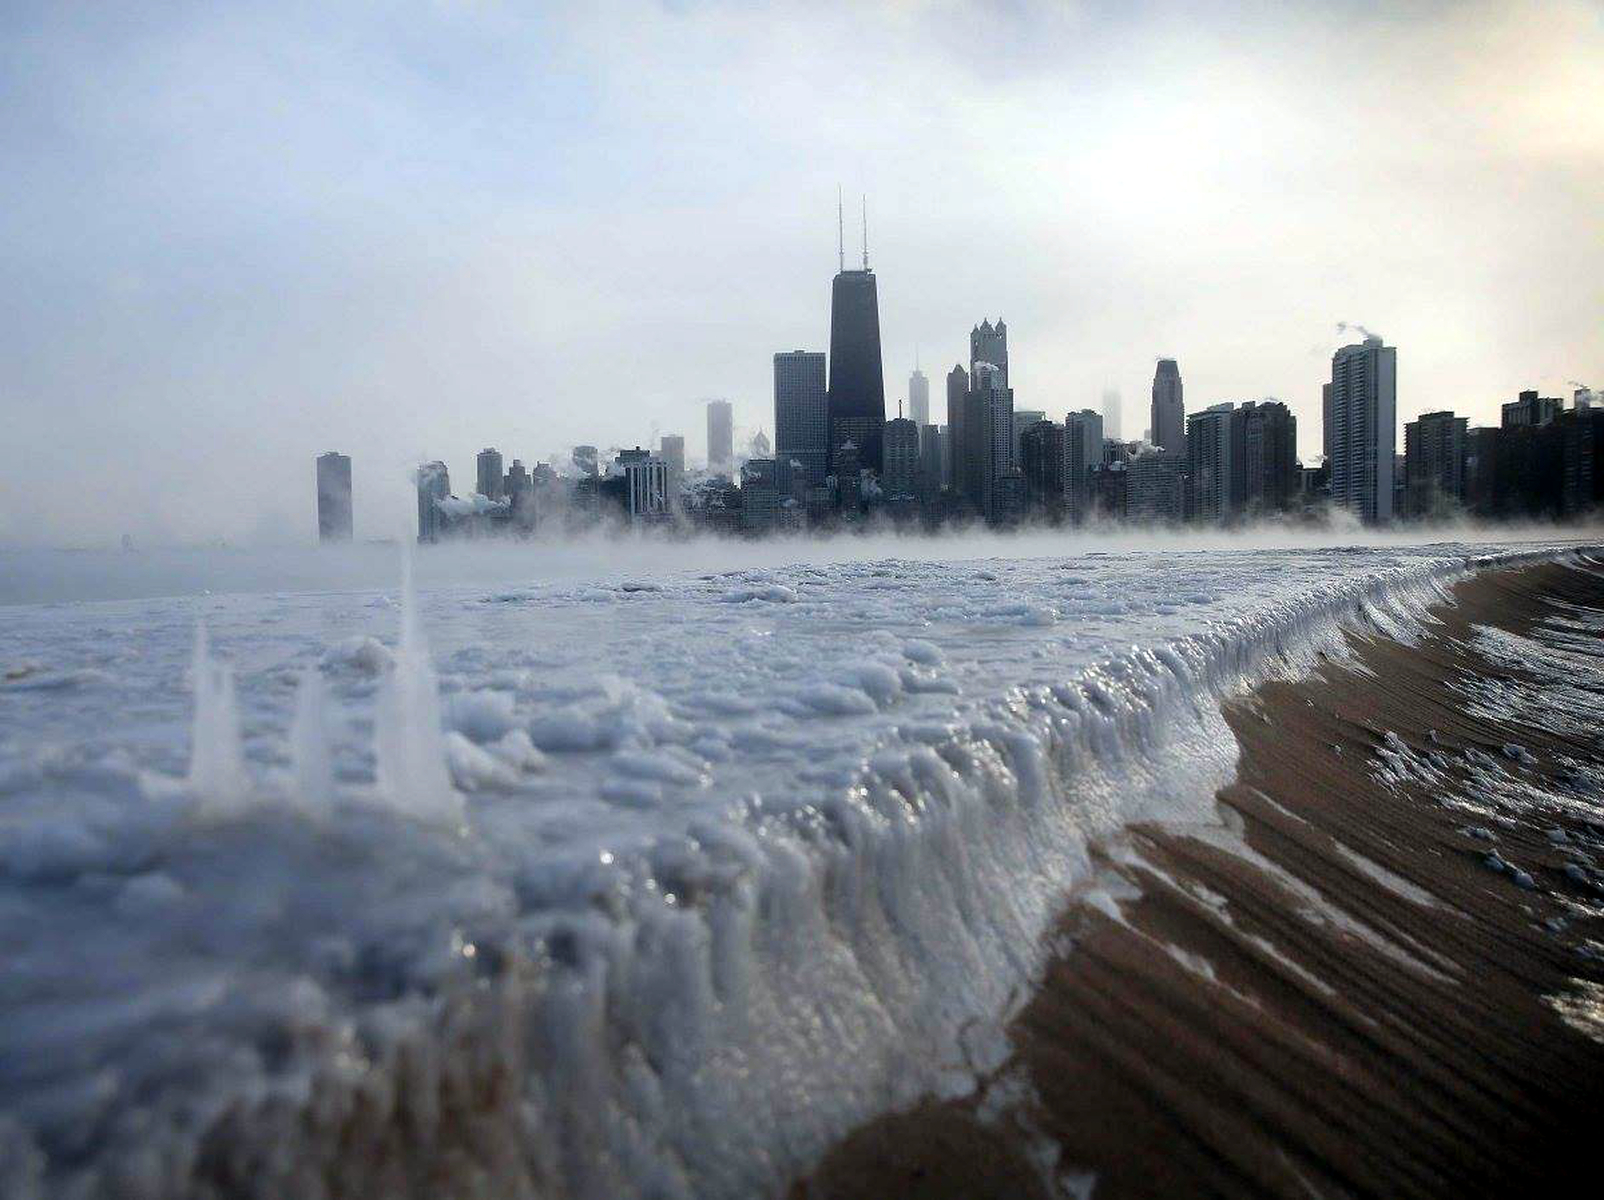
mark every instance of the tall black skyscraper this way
{"type": "Point", "coordinates": [857, 380]}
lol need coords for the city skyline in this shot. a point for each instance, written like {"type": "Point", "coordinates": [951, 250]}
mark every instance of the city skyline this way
{"type": "Point", "coordinates": [277, 269]}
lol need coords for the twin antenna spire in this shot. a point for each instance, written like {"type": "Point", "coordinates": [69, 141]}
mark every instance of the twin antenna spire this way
{"type": "Point", "coordinates": [841, 233]}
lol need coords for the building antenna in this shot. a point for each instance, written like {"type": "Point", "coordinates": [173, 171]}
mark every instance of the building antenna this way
{"type": "Point", "coordinates": [840, 232]}
{"type": "Point", "coordinates": [866, 232]}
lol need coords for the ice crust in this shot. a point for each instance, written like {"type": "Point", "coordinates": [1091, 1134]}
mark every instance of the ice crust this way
{"type": "Point", "coordinates": [620, 891]}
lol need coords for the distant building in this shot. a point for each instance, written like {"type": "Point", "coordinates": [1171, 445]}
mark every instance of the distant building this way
{"type": "Point", "coordinates": [1215, 461]}
{"type": "Point", "coordinates": [333, 497]}
{"type": "Point", "coordinates": [671, 449]}
{"type": "Point", "coordinates": [857, 376]}
{"type": "Point", "coordinates": [1024, 418]}
{"type": "Point", "coordinates": [1041, 461]}
{"type": "Point", "coordinates": [520, 492]}
{"type": "Point", "coordinates": [900, 477]}
{"type": "Point", "coordinates": [991, 406]}
{"type": "Point", "coordinates": [1083, 450]}
{"type": "Point", "coordinates": [434, 486]}
{"type": "Point", "coordinates": [1169, 413]}
{"type": "Point", "coordinates": [1155, 488]}
{"type": "Point", "coordinates": [1436, 447]}
{"type": "Point", "coordinates": [587, 460]}
{"type": "Point", "coordinates": [1530, 410]}
{"type": "Point", "coordinates": [919, 398]}
{"type": "Point", "coordinates": [802, 413]}
{"type": "Point", "coordinates": [931, 467]}
{"type": "Point", "coordinates": [1113, 423]}
{"type": "Point", "coordinates": [1269, 457]}
{"type": "Point", "coordinates": [720, 437]}
{"type": "Point", "coordinates": [1360, 409]}
{"type": "Point", "coordinates": [490, 478]}
{"type": "Point", "coordinates": [762, 502]}
{"type": "Point", "coordinates": [1109, 490]}
{"type": "Point", "coordinates": [988, 343]}
{"type": "Point", "coordinates": [966, 453]}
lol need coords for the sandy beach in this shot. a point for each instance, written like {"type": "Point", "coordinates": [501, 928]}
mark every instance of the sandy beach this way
{"type": "Point", "coordinates": [1376, 975]}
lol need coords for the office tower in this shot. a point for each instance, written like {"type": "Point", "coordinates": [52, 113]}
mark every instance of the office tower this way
{"type": "Point", "coordinates": [1083, 450]}
{"type": "Point", "coordinates": [1215, 454]}
{"type": "Point", "coordinates": [520, 492]}
{"type": "Point", "coordinates": [957, 392]}
{"type": "Point", "coordinates": [989, 427]}
{"type": "Point", "coordinates": [988, 343]}
{"type": "Point", "coordinates": [720, 437]}
{"type": "Point", "coordinates": [919, 398]}
{"type": "Point", "coordinates": [434, 485]}
{"type": "Point", "coordinates": [900, 477]}
{"type": "Point", "coordinates": [489, 463]}
{"type": "Point", "coordinates": [1112, 422]}
{"type": "Point", "coordinates": [1531, 410]}
{"type": "Point", "coordinates": [1155, 488]}
{"type": "Point", "coordinates": [671, 449]}
{"type": "Point", "coordinates": [802, 414]}
{"type": "Point", "coordinates": [333, 497]}
{"type": "Point", "coordinates": [1024, 418]}
{"type": "Point", "coordinates": [645, 484]}
{"type": "Point", "coordinates": [1269, 456]}
{"type": "Point", "coordinates": [1041, 461]}
{"type": "Point", "coordinates": [587, 460]}
{"type": "Point", "coordinates": [1436, 445]}
{"type": "Point", "coordinates": [1169, 412]}
{"type": "Point", "coordinates": [931, 468]}
{"type": "Point", "coordinates": [1360, 407]}
{"type": "Point", "coordinates": [857, 378]}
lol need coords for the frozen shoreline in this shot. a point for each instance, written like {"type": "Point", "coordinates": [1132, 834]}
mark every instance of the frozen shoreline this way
{"type": "Point", "coordinates": [717, 923]}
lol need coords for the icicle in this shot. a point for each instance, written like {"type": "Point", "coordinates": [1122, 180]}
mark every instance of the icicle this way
{"type": "Point", "coordinates": [408, 742]}
{"type": "Point", "coordinates": [309, 745]}
{"type": "Point", "coordinates": [217, 773]}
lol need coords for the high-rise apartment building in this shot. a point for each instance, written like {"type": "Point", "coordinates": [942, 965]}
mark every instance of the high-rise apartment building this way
{"type": "Point", "coordinates": [931, 468]}
{"type": "Point", "coordinates": [857, 378]}
{"type": "Point", "coordinates": [1169, 412]}
{"type": "Point", "coordinates": [1215, 462]}
{"type": "Point", "coordinates": [490, 479]}
{"type": "Point", "coordinates": [434, 485]}
{"type": "Point", "coordinates": [1024, 418]}
{"type": "Point", "coordinates": [962, 458]}
{"type": "Point", "coordinates": [1436, 447]}
{"type": "Point", "coordinates": [919, 398]}
{"type": "Point", "coordinates": [720, 437]}
{"type": "Point", "coordinates": [1530, 409]}
{"type": "Point", "coordinates": [801, 415]}
{"type": "Point", "coordinates": [1269, 456]}
{"type": "Point", "coordinates": [1083, 450]}
{"type": "Point", "coordinates": [1155, 488]}
{"type": "Point", "coordinates": [900, 477]}
{"type": "Point", "coordinates": [991, 411]}
{"type": "Point", "coordinates": [333, 497]}
{"type": "Point", "coordinates": [1041, 461]}
{"type": "Point", "coordinates": [1360, 408]}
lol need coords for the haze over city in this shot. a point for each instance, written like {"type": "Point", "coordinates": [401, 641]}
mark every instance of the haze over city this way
{"type": "Point", "coordinates": [237, 238]}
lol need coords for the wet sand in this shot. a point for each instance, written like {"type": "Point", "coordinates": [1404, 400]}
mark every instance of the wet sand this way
{"type": "Point", "coordinates": [1361, 1006]}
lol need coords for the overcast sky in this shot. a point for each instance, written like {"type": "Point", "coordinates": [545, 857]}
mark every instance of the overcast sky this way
{"type": "Point", "coordinates": [236, 235]}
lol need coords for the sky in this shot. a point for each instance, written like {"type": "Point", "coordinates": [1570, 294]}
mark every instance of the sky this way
{"type": "Point", "coordinates": [237, 235]}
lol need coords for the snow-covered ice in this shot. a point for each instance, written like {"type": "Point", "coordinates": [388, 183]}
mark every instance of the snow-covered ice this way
{"type": "Point", "coordinates": [606, 886]}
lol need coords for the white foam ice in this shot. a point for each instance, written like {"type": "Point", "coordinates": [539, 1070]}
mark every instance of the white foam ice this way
{"type": "Point", "coordinates": [668, 892]}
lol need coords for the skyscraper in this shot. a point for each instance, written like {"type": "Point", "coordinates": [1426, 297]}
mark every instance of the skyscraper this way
{"type": "Point", "coordinates": [1112, 422]}
{"type": "Point", "coordinates": [333, 497]}
{"type": "Point", "coordinates": [1169, 412]}
{"type": "Point", "coordinates": [1269, 456]}
{"type": "Point", "coordinates": [932, 471]}
{"type": "Point", "coordinates": [720, 437]}
{"type": "Point", "coordinates": [919, 398]}
{"type": "Point", "coordinates": [671, 449]}
{"type": "Point", "coordinates": [1041, 460]}
{"type": "Point", "coordinates": [490, 478]}
{"type": "Point", "coordinates": [988, 343]}
{"type": "Point", "coordinates": [991, 409]}
{"type": "Point", "coordinates": [1214, 447]}
{"type": "Point", "coordinates": [434, 485]}
{"type": "Point", "coordinates": [857, 377]}
{"type": "Point", "coordinates": [1361, 415]}
{"type": "Point", "coordinates": [957, 433]}
{"type": "Point", "coordinates": [801, 415]}
{"type": "Point", "coordinates": [900, 479]}
{"type": "Point", "coordinates": [1435, 450]}
{"type": "Point", "coordinates": [1155, 488]}
{"type": "Point", "coordinates": [1083, 450]}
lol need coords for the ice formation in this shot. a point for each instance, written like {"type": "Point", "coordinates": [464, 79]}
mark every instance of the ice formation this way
{"type": "Point", "coordinates": [775, 868]}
